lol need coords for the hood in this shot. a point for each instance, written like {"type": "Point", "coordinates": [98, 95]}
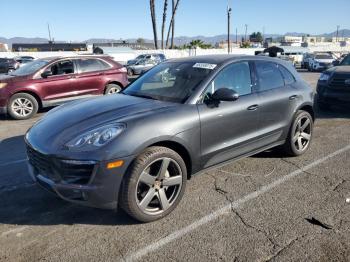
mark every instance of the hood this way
{"type": "Point", "coordinates": [10, 78]}
{"type": "Point", "coordinates": [342, 69]}
{"type": "Point", "coordinates": [66, 122]}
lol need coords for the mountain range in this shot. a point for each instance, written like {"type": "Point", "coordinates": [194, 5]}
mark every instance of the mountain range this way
{"type": "Point", "coordinates": [180, 40]}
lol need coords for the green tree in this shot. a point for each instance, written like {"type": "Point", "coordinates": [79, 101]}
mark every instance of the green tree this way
{"type": "Point", "coordinates": [256, 37]}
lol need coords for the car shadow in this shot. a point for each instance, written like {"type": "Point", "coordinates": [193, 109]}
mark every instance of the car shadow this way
{"type": "Point", "coordinates": [25, 203]}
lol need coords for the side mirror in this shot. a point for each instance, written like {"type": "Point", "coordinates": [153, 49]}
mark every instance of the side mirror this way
{"type": "Point", "coordinates": [336, 63]}
{"type": "Point", "coordinates": [46, 74]}
{"type": "Point", "coordinates": [225, 94]}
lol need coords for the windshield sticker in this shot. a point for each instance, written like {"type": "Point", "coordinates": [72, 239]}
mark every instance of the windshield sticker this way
{"type": "Point", "coordinates": [204, 66]}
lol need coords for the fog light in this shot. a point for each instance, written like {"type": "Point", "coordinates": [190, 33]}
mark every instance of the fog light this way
{"type": "Point", "coordinates": [115, 164]}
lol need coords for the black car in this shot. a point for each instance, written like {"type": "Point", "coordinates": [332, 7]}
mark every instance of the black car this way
{"type": "Point", "coordinates": [333, 87]}
{"type": "Point", "coordinates": [138, 148]}
{"type": "Point", "coordinates": [7, 65]}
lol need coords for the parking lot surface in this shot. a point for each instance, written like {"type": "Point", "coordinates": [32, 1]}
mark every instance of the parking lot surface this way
{"type": "Point", "coordinates": [262, 208]}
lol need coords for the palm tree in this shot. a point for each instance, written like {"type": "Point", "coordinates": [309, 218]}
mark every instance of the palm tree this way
{"type": "Point", "coordinates": [164, 20]}
{"type": "Point", "coordinates": [172, 26]}
{"type": "Point", "coordinates": [171, 22]}
{"type": "Point", "coordinates": [154, 23]}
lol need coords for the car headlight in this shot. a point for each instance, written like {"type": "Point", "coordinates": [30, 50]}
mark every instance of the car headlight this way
{"type": "Point", "coordinates": [324, 77]}
{"type": "Point", "coordinates": [3, 85]}
{"type": "Point", "coordinates": [97, 137]}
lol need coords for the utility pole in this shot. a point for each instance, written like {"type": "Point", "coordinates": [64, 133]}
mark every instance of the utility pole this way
{"type": "Point", "coordinates": [48, 29]}
{"type": "Point", "coordinates": [228, 28]}
{"type": "Point", "coordinates": [236, 36]}
{"type": "Point", "coordinates": [263, 32]}
{"type": "Point", "coordinates": [336, 39]}
{"type": "Point", "coordinates": [50, 40]}
{"type": "Point", "coordinates": [246, 30]}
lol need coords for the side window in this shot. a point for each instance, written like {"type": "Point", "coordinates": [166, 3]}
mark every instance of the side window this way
{"type": "Point", "coordinates": [288, 77]}
{"type": "Point", "coordinates": [269, 76]}
{"type": "Point", "coordinates": [62, 67]}
{"type": "Point", "coordinates": [234, 76]}
{"type": "Point", "coordinates": [91, 65]}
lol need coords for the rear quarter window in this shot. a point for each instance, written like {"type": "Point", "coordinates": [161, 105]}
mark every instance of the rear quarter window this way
{"type": "Point", "coordinates": [288, 76]}
{"type": "Point", "coordinates": [91, 65]}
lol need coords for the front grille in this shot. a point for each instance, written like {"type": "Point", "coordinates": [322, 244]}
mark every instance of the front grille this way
{"type": "Point", "coordinates": [60, 170]}
{"type": "Point", "coordinates": [338, 82]}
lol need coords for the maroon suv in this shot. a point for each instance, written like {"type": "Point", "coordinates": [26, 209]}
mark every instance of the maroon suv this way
{"type": "Point", "coordinates": [52, 81]}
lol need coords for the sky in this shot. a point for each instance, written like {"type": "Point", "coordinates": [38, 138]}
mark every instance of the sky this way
{"type": "Point", "coordinates": [78, 20]}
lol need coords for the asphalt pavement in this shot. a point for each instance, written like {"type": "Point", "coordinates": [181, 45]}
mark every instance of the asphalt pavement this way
{"type": "Point", "coordinates": [262, 208]}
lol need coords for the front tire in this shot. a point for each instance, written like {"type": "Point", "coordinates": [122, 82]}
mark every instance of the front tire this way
{"type": "Point", "coordinates": [22, 106]}
{"type": "Point", "coordinates": [154, 184]}
{"type": "Point", "coordinates": [300, 134]}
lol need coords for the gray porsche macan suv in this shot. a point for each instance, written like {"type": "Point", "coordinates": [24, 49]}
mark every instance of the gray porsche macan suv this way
{"type": "Point", "coordinates": [137, 149]}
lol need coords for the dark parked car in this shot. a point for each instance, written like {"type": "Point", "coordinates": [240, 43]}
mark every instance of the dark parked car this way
{"type": "Point", "coordinates": [52, 81]}
{"type": "Point", "coordinates": [137, 149]}
{"type": "Point", "coordinates": [333, 87]}
{"type": "Point", "coordinates": [8, 65]}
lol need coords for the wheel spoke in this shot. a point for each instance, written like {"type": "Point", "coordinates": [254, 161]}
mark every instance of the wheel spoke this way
{"type": "Point", "coordinates": [305, 125]}
{"type": "Point", "coordinates": [300, 144]}
{"type": "Point", "coordinates": [164, 202]}
{"type": "Point", "coordinates": [172, 181]}
{"type": "Point", "coordinates": [306, 136]}
{"type": "Point", "coordinates": [148, 198]}
{"type": "Point", "coordinates": [163, 168]}
{"type": "Point", "coordinates": [147, 178]}
{"type": "Point", "coordinates": [299, 125]}
{"type": "Point", "coordinates": [295, 138]}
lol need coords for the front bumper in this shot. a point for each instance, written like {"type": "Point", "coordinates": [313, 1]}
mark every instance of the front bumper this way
{"type": "Point", "coordinates": [322, 67]}
{"type": "Point", "coordinates": [98, 188]}
{"type": "Point", "coordinates": [329, 95]}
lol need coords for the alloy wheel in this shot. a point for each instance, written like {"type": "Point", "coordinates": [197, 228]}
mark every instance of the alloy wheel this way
{"type": "Point", "coordinates": [113, 90]}
{"type": "Point", "coordinates": [158, 186]}
{"type": "Point", "coordinates": [22, 107]}
{"type": "Point", "coordinates": [302, 133]}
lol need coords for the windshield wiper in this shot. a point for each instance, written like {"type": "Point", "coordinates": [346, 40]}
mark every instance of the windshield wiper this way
{"type": "Point", "coordinates": [143, 96]}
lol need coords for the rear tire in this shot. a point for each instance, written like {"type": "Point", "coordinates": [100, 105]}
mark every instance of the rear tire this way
{"type": "Point", "coordinates": [112, 89]}
{"type": "Point", "coordinates": [153, 185]}
{"type": "Point", "coordinates": [22, 106]}
{"type": "Point", "coordinates": [300, 134]}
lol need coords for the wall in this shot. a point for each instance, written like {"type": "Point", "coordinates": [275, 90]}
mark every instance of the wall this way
{"type": "Point", "coordinates": [123, 57]}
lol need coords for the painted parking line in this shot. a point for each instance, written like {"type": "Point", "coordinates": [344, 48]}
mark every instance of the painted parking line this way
{"type": "Point", "coordinates": [14, 162]}
{"type": "Point", "coordinates": [227, 208]}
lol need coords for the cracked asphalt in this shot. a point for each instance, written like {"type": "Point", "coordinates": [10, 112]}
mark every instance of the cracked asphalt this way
{"type": "Point", "coordinates": [262, 208]}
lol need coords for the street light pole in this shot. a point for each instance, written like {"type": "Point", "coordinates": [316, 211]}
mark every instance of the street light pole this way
{"type": "Point", "coordinates": [228, 28]}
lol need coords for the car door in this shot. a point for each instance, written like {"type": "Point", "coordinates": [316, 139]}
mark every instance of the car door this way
{"type": "Point", "coordinates": [228, 129]}
{"type": "Point", "coordinates": [61, 83]}
{"type": "Point", "coordinates": [91, 76]}
{"type": "Point", "coordinates": [277, 100]}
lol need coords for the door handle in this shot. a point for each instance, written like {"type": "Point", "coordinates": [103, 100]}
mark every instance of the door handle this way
{"type": "Point", "coordinates": [70, 77]}
{"type": "Point", "coordinates": [253, 107]}
{"type": "Point", "coordinates": [293, 97]}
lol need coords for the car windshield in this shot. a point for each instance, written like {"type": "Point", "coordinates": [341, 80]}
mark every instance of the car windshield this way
{"type": "Point", "coordinates": [172, 81]}
{"type": "Point", "coordinates": [346, 61]}
{"type": "Point", "coordinates": [30, 68]}
{"type": "Point", "coordinates": [323, 56]}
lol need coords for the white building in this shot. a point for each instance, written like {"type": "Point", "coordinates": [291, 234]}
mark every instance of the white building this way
{"type": "Point", "coordinates": [291, 40]}
{"type": "Point", "coordinates": [4, 47]}
{"type": "Point", "coordinates": [340, 39]}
